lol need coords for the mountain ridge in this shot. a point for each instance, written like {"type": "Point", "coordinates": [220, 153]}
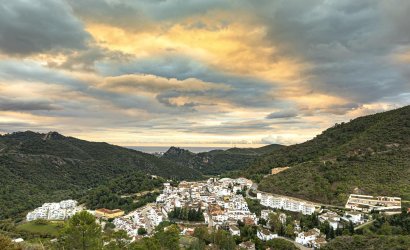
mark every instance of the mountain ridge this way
{"type": "Point", "coordinates": [52, 166]}
{"type": "Point", "coordinates": [217, 161]}
{"type": "Point", "coordinates": [369, 153]}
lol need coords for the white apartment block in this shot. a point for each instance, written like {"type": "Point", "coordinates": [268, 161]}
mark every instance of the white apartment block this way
{"type": "Point", "coordinates": [54, 211]}
{"type": "Point", "coordinates": [285, 203]}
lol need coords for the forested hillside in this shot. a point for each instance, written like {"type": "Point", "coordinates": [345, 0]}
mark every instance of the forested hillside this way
{"type": "Point", "coordinates": [44, 167]}
{"type": "Point", "coordinates": [218, 161]}
{"type": "Point", "coordinates": [126, 192]}
{"type": "Point", "coordinates": [370, 155]}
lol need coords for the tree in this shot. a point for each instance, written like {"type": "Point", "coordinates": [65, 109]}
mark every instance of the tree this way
{"type": "Point", "coordinates": [248, 232]}
{"type": "Point", "coordinates": [275, 222]}
{"type": "Point", "coordinates": [142, 231]}
{"type": "Point", "coordinates": [119, 240]}
{"type": "Point", "coordinates": [82, 232]}
{"type": "Point", "coordinates": [325, 229]}
{"type": "Point", "coordinates": [290, 230]}
{"type": "Point", "coordinates": [197, 245]}
{"type": "Point", "coordinates": [262, 222]}
{"type": "Point", "coordinates": [202, 234]}
{"type": "Point", "coordinates": [351, 228]}
{"type": "Point", "coordinates": [280, 244]}
{"type": "Point", "coordinates": [169, 237]}
{"type": "Point", "coordinates": [332, 233]}
{"type": "Point", "coordinates": [224, 240]}
{"type": "Point", "coordinates": [145, 243]}
{"type": "Point", "coordinates": [6, 243]}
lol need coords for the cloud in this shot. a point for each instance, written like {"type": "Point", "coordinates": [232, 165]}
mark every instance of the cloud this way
{"type": "Point", "coordinates": [196, 72]}
{"type": "Point", "coordinates": [347, 44]}
{"type": "Point", "coordinates": [28, 27]}
{"type": "Point", "coordinates": [143, 15]}
{"type": "Point", "coordinates": [282, 114]}
{"type": "Point", "coordinates": [84, 60]}
{"type": "Point", "coordinates": [283, 139]}
{"type": "Point", "coordinates": [236, 89]}
{"type": "Point", "coordinates": [7, 104]}
{"type": "Point", "coordinates": [153, 83]}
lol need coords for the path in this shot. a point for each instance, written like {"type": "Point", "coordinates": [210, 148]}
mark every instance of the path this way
{"type": "Point", "coordinates": [364, 224]}
{"type": "Point", "coordinates": [302, 247]}
{"type": "Point", "coordinates": [140, 193]}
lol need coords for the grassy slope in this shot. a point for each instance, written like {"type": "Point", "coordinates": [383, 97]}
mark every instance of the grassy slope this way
{"type": "Point", "coordinates": [371, 153]}
{"type": "Point", "coordinates": [50, 229]}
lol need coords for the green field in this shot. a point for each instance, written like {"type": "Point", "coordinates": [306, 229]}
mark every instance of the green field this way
{"type": "Point", "coordinates": [49, 229]}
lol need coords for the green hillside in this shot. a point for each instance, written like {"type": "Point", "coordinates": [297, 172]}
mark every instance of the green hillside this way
{"type": "Point", "coordinates": [44, 167]}
{"type": "Point", "coordinates": [218, 161]}
{"type": "Point", "coordinates": [369, 154]}
{"type": "Point", "coordinates": [127, 192]}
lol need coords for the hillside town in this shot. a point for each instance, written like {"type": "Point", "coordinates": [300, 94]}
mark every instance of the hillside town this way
{"type": "Point", "coordinates": [223, 204]}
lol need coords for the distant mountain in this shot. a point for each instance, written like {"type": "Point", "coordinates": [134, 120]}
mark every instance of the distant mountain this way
{"type": "Point", "coordinates": [39, 167]}
{"type": "Point", "coordinates": [217, 161]}
{"type": "Point", "coordinates": [370, 154]}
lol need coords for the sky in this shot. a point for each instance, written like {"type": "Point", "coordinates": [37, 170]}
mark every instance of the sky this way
{"type": "Point", "coordinates": [200, 72]}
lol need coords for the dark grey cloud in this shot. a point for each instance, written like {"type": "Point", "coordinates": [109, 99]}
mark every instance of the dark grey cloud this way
{"type": "Point", "coordinates": [282, 114]}
{"type": "Point", "coordinates": [117, 13]}
{"type": "Point", "coordinates": [10, 127]}
{"type": "Point", "coordinates": [28, 27]}
{"type": "Point", "coordinates": [9, 104]}
{"type": "Point", "coordinates": [143, 15]}
{"type": "Point", "coordinates": [335, 109]}
{"type": "Point", "coordinates": [347, 43]}
{"type": "Point", "coordinates": [85, 60]}
{"type": "Point", "coordinates": [13, 70]}
{"type": "Point", "coordinates": [243, 91]}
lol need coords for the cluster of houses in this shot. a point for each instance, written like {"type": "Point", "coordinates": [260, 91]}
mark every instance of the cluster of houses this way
{"type": "Point", "coordinates": [222, 204]}
{"type": "Point", "coordinates": [217, 198]}
{"type": "Point", "coordinates": [54, 211]}
{"type": "Point", "coordinates": [146, 217]}
{"type": "Point", "coordinates": [312, 238]}
{"type": "Point", "coordinates": [286, 203]}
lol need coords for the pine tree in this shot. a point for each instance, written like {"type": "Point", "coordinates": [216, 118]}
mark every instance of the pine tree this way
{"type": "Point", "coordinates": [82, 232]}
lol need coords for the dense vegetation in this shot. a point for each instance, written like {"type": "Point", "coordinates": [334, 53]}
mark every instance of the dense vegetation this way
{"type": "Point", "coordinates": [388, 225]}
{"type": "Point", "coordinates": [37, 168]}
{"type": "Point", "coordinates": [369, 155]}
{"type": "Point", "coordinates": [186, 214]}
{"type": "Point", "coordinates": [386, 232]}
{"type": "Point", "coordinates": [217, 161]}
{"type": "Point", "coordinates": [361, 242]}
{"type": "Point", "coordinates": [127, 193]}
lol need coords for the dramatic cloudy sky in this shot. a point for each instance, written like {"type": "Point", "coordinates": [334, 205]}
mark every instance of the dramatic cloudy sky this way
{"type": "Point", "coordinates": [200, 72]}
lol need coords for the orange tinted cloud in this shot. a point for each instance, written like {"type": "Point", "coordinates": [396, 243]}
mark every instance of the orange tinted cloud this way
{"type": "Point", "coordinates": [237, 48]}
